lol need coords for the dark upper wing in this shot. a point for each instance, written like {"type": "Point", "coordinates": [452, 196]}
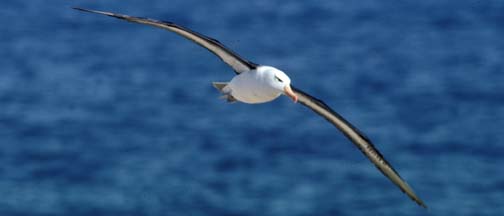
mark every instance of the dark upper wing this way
{"type": "Point", "coordinates": [232, 59]}
{"type": "Point", "coordinates": [361, 141]}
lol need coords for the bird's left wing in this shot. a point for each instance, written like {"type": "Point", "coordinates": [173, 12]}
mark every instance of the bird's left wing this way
{"type": "Point", "coordinates": [359, 139]}
{"type": "Point", "coordinates": [238, 64]}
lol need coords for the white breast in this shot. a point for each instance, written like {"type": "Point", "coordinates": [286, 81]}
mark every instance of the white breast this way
{"type": "Point", "coordinates": [252, 87]}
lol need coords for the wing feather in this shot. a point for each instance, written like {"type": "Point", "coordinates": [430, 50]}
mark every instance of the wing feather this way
{"type": "Point", "coordinates": [238, 64]}
{"type": "Point", "coordinates": [359, 139]}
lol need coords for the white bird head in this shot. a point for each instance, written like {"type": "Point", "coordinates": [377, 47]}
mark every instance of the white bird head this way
{"type": "Point", "coordinates": [278, 80]}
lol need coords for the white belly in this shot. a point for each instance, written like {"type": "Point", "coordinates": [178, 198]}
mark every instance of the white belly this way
{"type": "Point", "coordinates": [251, 87]}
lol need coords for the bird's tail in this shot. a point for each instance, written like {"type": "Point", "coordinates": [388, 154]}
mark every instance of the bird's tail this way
{"type": "Point", "coordinates": [225, 94]}
{"type": "Point", "coordinates": [220, 86]}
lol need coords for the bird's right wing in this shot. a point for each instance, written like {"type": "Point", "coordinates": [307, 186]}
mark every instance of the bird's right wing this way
{"type": "Point", "coordinates": [359, 139]}
{"type": "Point", "coordinates": [238, 64]}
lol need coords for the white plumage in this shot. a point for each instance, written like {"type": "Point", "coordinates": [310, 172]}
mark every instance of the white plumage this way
{"type": "Point", "coordinates": [260, 85]}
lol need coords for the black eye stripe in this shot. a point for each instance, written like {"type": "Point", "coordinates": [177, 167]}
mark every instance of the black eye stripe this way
{"type": "Point", "coordinates": [278, 79]}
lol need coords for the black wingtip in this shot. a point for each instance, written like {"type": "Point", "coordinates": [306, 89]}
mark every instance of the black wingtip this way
{"type": "Point", "coordinates": [81, 9]}
{"type": "Point", "coordinates": [418, 201]}
{"type": "Point", "coordinates": [422, 204]}
{"type": "Point", "coordinates": [98, 12]}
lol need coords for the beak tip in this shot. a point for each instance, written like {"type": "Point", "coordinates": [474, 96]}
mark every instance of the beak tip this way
{"type": "Point", "coordinates": [288, 91]}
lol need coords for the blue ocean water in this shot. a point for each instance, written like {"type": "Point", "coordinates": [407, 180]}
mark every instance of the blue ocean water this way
{"type": "Point", "coordinates": [103, 117]}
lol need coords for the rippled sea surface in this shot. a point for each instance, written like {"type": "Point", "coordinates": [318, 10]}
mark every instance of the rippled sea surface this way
{"type": "Point", "coordinates": [103, 117]}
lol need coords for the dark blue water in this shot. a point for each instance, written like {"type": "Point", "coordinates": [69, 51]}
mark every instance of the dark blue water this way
{"type": "Point", "coordinates": [104, 117]}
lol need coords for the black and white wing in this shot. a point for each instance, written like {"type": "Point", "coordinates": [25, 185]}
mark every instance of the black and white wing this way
{"type": "Point", "coordinates": [238, 64]}
{"type": "Point", "coordinates": [361, 141]}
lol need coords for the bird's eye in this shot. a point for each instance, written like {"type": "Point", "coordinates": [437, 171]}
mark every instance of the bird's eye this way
{"type": "Point", "coordinates": [278, 79]}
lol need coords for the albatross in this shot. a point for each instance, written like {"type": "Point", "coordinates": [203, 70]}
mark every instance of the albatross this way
{"type": "Point", "coordinates": [255, 83]}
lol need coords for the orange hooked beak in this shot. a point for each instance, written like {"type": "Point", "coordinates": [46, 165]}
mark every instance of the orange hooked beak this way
{"type": "Point", "coordinates": [288, 91]}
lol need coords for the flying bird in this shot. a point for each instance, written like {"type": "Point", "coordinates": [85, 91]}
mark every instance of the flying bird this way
{"type": "Point", "coordinates": [255, 83]}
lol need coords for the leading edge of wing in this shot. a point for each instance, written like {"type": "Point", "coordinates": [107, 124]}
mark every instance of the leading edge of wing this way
{"type": "Point", "coordinates": [238, 64]}
{"type": "Point", "coordinates": [359, 139]}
